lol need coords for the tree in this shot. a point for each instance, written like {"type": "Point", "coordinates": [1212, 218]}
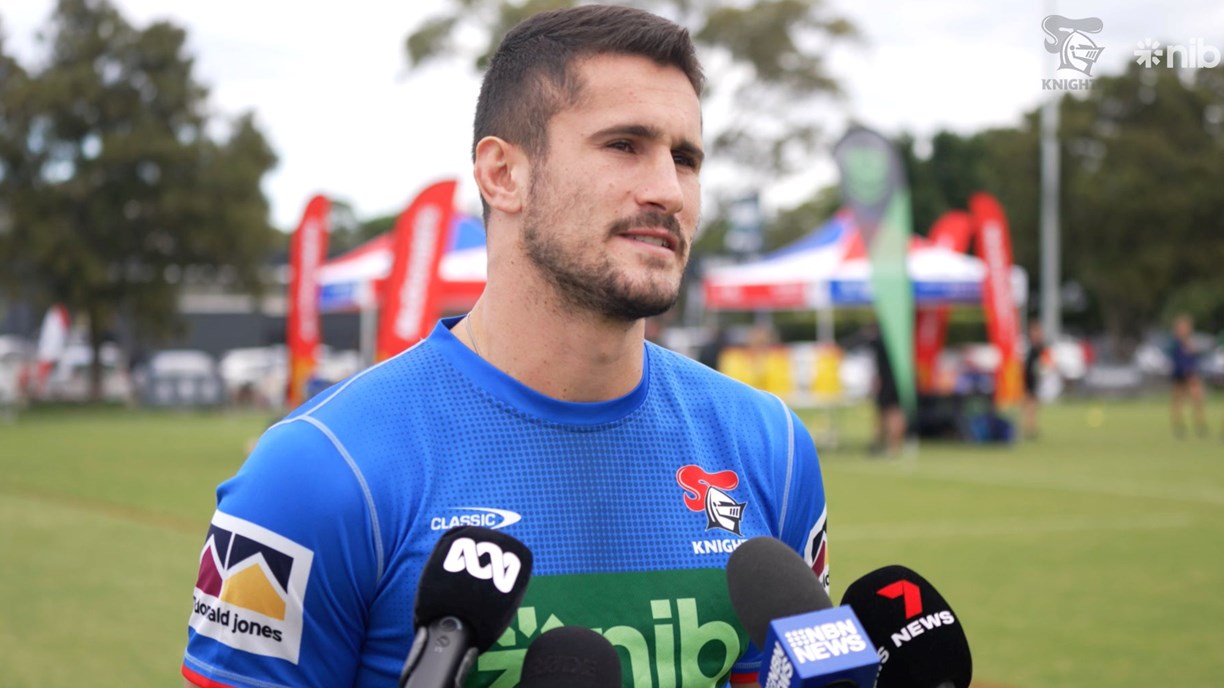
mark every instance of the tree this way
{"type": "Point", "coordinates": [1141, 212]}
{"type": "Point", "coordinates": [1143, 215]}
{"type": "Point", "coordinates": [120, 191]}
{"type": "Point", "coordinates": [767, 59]}
{"type": "Point", "coordinates": [15, 121]}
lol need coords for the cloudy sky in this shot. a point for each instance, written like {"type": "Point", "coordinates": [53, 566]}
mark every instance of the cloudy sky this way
{"type": "Point", "coordinates": [331, 91]}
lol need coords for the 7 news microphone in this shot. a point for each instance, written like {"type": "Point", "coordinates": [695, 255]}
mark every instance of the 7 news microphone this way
{"type": "Point", "coordinates": [469, 590]}
{"type": "Point", "coordinates": [920, 640]}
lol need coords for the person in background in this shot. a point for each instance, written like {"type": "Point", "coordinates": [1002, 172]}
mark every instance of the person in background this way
{"type": "Point", "coordinates": [889, 416]}
{"type": "Point", "coordinates": [1187, 385]}
{"type": "Point", "coordinates": [713, 347]}
{"type": "Point", "coordinates": [1035, 361]}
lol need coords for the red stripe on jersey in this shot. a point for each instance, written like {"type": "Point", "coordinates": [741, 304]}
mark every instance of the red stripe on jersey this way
{"type": "Point", "coordinates": [201, 680]}
{"type": "Point", "coordinates": [748, 677]}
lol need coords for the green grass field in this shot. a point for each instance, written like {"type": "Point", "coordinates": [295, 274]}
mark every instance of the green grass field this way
{"type": "Point", "coordinates": [1092, 557]}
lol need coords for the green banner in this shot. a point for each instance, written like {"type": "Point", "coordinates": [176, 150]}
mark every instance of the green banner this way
{"type": "Point", "coordinates": [875, 190]}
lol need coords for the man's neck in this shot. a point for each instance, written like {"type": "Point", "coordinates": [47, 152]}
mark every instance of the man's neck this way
{"type": "Point", "coordinates": [550, 347]}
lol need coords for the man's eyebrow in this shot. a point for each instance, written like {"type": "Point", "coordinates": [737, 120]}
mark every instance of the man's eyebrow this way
{"type": "Point", "coordinates": [645, 131]}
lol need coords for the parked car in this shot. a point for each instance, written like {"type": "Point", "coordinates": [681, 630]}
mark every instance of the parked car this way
{"type": "Point", "coordinates": [16, 353]}
{"type": "Point", "coordinates": [255, 375]}
{"type": "Point", "coordinates": [1211, 365]}
{"type": "Point", "coordinates": [69, 379]}
{"type": "Point", "coordinates": [181, 378]}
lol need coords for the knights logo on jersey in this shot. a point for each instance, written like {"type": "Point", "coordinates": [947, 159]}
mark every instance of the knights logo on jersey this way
{"type": "Point", "coordinates": [704, 491]}
{"type": "Point", "coordinates": [816, 549]}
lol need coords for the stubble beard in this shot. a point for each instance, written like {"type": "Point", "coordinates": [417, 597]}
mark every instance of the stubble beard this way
{"type": "Point", "coordinates": [595, 286]}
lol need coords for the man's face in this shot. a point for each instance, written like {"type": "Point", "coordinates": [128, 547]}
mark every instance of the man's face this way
{"type": "Point", "coordinates": [614, 203]}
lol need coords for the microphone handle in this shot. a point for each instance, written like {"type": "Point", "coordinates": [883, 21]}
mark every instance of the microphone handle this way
{"type": "Point", "coordinates": [441, 656]}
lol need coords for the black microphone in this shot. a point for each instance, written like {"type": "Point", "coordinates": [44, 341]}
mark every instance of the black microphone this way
{"type": "Point", "coordinates": [782, 604]}
{"type": "Point", "coordinates": [768, 580]}
{"type": "Point", "coordinates": [469, 590]}
{"type": "Point", "coordinates": [921, 642]}
{"type": "Point", "coordinates": [571, 657]}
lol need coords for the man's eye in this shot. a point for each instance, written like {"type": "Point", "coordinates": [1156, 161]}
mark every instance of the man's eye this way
{"type": "Point", "coordinates": [622, 146]}
{"type": "Point", "coordinates": [685, 160]}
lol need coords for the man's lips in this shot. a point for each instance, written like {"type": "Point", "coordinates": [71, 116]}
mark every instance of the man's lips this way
{"type": "Point", "coordinates": [668, 240]}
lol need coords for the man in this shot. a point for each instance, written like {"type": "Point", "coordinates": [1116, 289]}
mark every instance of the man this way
{"type": "Point", "coordinates": [889, 416]}
{"type": "Point", "coordinates": [629, 471]}
{"type": "Point", "coordinates": [1187, 384]}
{"type": "Point", "coordinates": [1034, 362]}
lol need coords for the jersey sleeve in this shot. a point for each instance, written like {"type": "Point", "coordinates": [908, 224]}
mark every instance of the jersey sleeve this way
{"type": "Point", "coordinates": [805, 528]}
{"type": "Point", "coordinates": [803, 525]}
{"type": "Point", "coordinates": [287, 569]}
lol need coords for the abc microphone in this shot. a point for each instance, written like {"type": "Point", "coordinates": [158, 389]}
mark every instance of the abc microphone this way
{"type": "Point", "coordinates": [784, 608]}
{"type": "Point", "coordinates": [469, 590]}
{"type": "Point", "coordinates": [921, 642]}
{"type": "Point", "coordinates": [571, 657]}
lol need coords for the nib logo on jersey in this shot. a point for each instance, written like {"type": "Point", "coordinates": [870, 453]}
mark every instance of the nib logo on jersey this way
{"type": "Point", "coordinates": [705, 491]}
{"type": "Point", "coordinates": [250, 588]}
{"type": "Point", "coordinates": [671, 628]}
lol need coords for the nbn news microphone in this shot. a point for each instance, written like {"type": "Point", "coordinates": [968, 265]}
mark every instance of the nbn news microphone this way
{"type": "Point", "coordinates": [469, 590]}
{"type": "Point", "coordinates": [783, 606]}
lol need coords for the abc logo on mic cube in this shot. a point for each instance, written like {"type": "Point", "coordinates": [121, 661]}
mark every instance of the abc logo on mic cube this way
{"type": "Point", "coordinates": [817, 649]}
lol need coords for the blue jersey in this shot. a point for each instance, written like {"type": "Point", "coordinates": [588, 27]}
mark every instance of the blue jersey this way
{"type": "Point", "coordinates": [631, 508]}
{"type": "Point", "coordinates": [1184, 359]}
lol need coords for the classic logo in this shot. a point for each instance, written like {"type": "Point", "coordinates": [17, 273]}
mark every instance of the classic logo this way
{"type": "Point", "coordinates": [485, 561]}
{"type": "Point", "coordinates": [816, 551]}
{"type": "Point", "coordinates": [250, 587]}
{"type": "Point", "coordinates": [704, 492]}
{"type": "Point", "coordinates": [475, 516]}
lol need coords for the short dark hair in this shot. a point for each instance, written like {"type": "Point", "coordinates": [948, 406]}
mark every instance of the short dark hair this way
{"type": "Point", "coordinates": [531, 76]}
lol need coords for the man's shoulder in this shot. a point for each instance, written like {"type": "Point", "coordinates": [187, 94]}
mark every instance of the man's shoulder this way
{"type": "Point", "coordinates": [695, 378]}
{"type": "Point", "coordinates": [420, 367]}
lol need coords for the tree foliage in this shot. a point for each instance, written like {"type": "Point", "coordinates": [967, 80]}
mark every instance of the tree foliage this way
{"type": "Point", "coordinates": [766, 59]}
{"type": "Point", "coordinates": [115, 187]}
{"type": "Point", "coordinates": [1141, 213]}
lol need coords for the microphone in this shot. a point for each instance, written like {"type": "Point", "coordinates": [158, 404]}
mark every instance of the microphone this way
{"type": "Point", "coordinates": [921, 642]}
{"type": "Point", "coordinates": [571, 657]}
{"type": "Point", "coordinates": [470, 588]}
{"type": "Point", "coordinates": [783, 606]}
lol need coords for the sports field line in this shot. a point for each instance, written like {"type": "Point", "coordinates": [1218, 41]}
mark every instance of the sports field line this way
{"type": "Point", "coordinates": [911, 530]}
{"type": "Point", "coordinates": [913, 468]}
{"type": "Point", "coordinates": [98, 507]}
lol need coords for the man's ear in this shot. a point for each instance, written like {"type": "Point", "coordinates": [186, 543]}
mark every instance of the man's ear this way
{"type": "Point", "coordinates": [501, 173]}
